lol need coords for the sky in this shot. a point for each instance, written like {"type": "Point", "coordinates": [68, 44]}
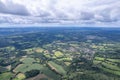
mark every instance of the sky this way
{"type": "Point", "coordinates": [102, 13]}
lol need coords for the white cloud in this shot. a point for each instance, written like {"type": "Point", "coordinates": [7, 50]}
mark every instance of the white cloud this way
{"type": "Point", "coordinates": [81, 12]}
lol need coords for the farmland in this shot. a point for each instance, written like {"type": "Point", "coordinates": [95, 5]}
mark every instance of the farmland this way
{"type": "Point", "coordinates": [5, 76]}
{"type": "Point", "coordinates": [56, 68]}
{"type": "Point", "coordinates": [60, 54]}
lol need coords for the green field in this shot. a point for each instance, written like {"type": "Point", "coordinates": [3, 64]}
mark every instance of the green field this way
{"type": "Point", "coordinates": [58, 54]}
{"type": "Point", "coordinates": [110, 71]}
{"type": "Point", "coordinates": [27, 67]}
{"type": "Point", "coordinates": [114, 60]}
{"type": "Point", "coordinates": [108, 65]}
{"type": "Point", "coordinates": [20, 76]}
{"type": "Point", "coordinates": [96, 61]}
{"type": "Point", "coordinates": [5, 76]}
{"type": "Point", "coordinates": [99, 58]}
{"type": "Point", "coordinates": [28, 64]}
{"type": "Point", "coordinates": [57, 67]}
{"type": "Point", "coordinates": [51, 74]}
{"type": "Point", "coordinates": [28, 60]}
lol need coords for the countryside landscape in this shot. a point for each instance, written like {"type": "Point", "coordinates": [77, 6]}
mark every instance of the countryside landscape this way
{"type": "Point", "coordinates": [62, 53]}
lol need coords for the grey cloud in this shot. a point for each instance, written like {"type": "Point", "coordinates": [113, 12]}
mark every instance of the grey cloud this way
{"type": "Point", "coordinates": [12, 8]}
{"type": "Point", "coordinates": [115, 14]}
{"type": "Point", "coordinates": [86, 15]}
{"type": "Point", "coordinates": [110, 14]}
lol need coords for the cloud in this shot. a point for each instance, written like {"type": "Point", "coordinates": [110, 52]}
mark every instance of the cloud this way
{"type": "Point", "coordinates": [12, 8]}
{"type": "Point", "coordinates": [87, 12]}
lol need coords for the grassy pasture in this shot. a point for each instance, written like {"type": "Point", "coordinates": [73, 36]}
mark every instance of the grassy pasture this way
{"type": "Point", "coordinates": [29, 51]}
{"type": "Point", "coordinates": [96, 61]}
{"type": "Point", "coordinates": [5, 76]}
{"type": "Point", "coordinates": [51, 74]}
{"type": "Point", "coordinates": [28, 64]}
{"type": "Point", "coordinates": [110, 66]}
{"type": "Point", "coordinates": [28, 60]}
{"type": "Point", "coordinates": [20, 76]}
{"type": "Point", "coordinates": [38, 50]}
{"type": "Point", "coordinates": [27, 67]}
{"type": "Point", "coordinates": [58, 54]}
{"type": "Point", "coordinates": [57, 67]}
{"type": "Point", "coordinates": [110, 71]}
{"type": "Point", "coordinates": [23, 68]}
{"type": "Point", "coordinates": [99, 58]}
{"type": "Point", "coordinates": [114, 60]}
{"type": "Point", "coordinates": [67, 63]}
{"type": "Point", "coordinates": [65, 59]}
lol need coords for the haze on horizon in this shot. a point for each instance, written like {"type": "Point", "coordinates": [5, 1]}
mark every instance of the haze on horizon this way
{"type": "Point", "coordinates": [60, 12]}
